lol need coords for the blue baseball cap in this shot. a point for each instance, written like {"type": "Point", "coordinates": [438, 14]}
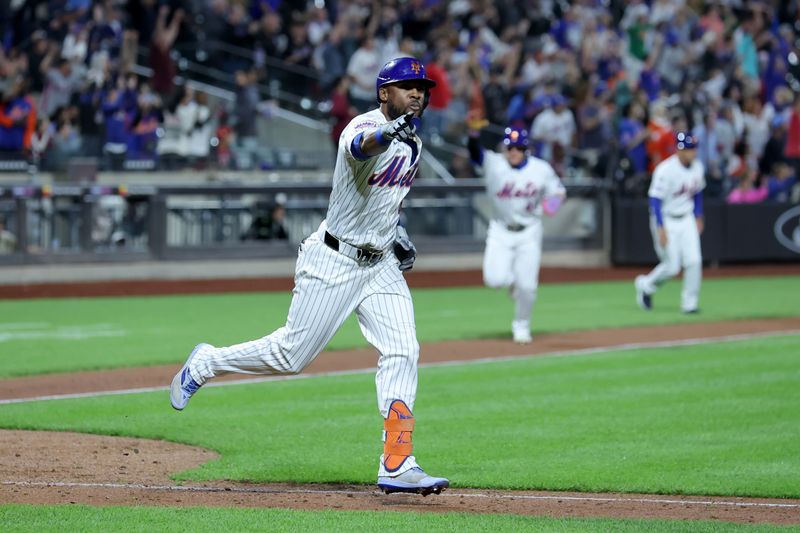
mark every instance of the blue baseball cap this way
{"type": "Point", "coordinates": [516, 137]}
{"type": "Point", "coordinates": [402, 69]}
{"type": "Point", "coordinates": [685, 141]}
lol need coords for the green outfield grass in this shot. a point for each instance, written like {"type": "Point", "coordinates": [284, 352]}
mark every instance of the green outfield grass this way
{"type": "Point", "coordinates": [60, 335]}
{"type": "Point", "coordinates": [147, 519]}
{"type": "Point", "coordinates": [717, 419]}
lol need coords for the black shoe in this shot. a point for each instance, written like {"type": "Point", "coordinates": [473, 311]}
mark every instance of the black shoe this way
{"type": "Point", "coordinates": [644, 300]}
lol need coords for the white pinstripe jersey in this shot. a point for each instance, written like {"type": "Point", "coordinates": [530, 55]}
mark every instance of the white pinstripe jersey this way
{"type": "Point", "coordinates": [676, 185]}
{"type": "Point", "coordinates": [365, 201]}
{"type": "Point", "coordinates": [517, 193]}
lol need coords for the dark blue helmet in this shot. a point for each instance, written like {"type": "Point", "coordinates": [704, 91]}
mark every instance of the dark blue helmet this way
{"type": "Point", "coordinates": [516, 137]}
{"type": "Point", "coordinates": [402, 69]}
{"type": "Point", "coordinates": [685, 141]}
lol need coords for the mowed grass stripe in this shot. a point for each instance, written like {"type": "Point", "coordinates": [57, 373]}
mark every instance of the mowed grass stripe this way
{"type": "Point", "coordinates": [167, 519]}
{"type": "Point", "coordinates": [717, 419]}
{"type": "Point", "coordinates": [62, 335]}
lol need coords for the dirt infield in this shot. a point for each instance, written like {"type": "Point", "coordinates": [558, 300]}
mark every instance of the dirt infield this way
{"type": "Point", "coordinates": [61, 468]}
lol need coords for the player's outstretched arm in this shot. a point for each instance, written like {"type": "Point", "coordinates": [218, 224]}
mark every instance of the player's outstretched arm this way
{"type": "Point", "coordinates": [376, 142]}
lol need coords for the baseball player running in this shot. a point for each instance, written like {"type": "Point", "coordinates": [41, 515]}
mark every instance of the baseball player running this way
{"type": "Point", "coordinates": [520, 187]}
{"type": "Point", "coordinates": [354, 262]}
{"type": "Point", "coordinates": [676, 222]}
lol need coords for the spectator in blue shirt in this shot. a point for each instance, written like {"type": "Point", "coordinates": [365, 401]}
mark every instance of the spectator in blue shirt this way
{"type": "Point", "coordinates": [632, 136]}
{"type": "Point", "coordinates": [781, 182]}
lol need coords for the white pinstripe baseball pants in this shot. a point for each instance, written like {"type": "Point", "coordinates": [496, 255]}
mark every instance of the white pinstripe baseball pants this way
{"type": "Point", "coordinates": [328, 288]}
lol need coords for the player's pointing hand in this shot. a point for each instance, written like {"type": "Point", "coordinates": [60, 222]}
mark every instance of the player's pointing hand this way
{"type": "Point", "coordinates": [402, 128]}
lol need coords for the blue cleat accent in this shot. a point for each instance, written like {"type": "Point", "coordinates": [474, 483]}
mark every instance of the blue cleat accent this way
{"type": "Point", "coordinates": [183, 385]}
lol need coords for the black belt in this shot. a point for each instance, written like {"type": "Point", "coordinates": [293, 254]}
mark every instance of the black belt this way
{"type": "Point", "coordinates": [515, 227]}
{"type": "Point", "coordinates": [363, 256]}
{"type": "Point", "coordinates": [678, 216]}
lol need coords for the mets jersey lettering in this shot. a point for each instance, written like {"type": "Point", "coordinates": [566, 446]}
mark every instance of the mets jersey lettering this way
{"type": "Point", "coordinates": [676, 185]}
{"type": "Point", "coordinates": [512, 190]}
{"type": "Point", "coordinates": [366, 197]}
{"type": "Point", "coordinates": [392, 177]}
{"type": "Point", "coordinates": [516, 193]}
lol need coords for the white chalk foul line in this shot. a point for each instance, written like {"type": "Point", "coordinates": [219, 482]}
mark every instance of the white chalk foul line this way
{"type": "Point", "coordinates": [563, 353]}
{"type": "Point", "coordinates": [448, 494]}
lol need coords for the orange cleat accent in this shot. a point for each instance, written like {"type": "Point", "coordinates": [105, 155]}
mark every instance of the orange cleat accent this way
{"type": "Point", "coordinates": [398, 427]}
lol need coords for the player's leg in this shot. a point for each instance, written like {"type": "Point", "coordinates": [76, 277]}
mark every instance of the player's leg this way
{"type": "Point", "coordinates": [692, 257]}
{"type": "Point", "coordinates": [527, 258]}
{"type": "Point", "coordinates": [497, 258]}
{"type": "Point", "coordinates": [327, 289]}
{"type": "Point", "coordinates": [386, 317]}
{"type": "Point", "coordinates": [669, 260]}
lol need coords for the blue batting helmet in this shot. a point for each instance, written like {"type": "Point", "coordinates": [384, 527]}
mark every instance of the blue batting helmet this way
{"type": "Point", "coordinates": [402, 69]}
{"type": "Point", "coordinates": [516, 137]}
{"type": "Point", "coordinates": [685, 141]}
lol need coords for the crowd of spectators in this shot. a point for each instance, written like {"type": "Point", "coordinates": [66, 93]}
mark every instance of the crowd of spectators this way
{"type": "Point", "coordinates": [601, 84]}
{"type": "Point", "coordinates": [68, 88]}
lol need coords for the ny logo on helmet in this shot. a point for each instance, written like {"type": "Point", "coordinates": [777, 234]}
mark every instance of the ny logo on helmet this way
{"type": "Point", "coordinates": [415, 67]}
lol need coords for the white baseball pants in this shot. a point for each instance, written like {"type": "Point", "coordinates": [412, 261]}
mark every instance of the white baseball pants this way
{"type": "Point", "coordinates": [328, 288]}
{"type": "Point", "coordinates": [682, 250]}
{"type": "Point", "coordinates": [512, 259]}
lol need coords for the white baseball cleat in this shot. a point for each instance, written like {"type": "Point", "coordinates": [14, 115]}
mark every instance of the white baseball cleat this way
{"type": "Point", "coordinates": [522, 332]}
{"type": "Point", "coordinates": [414, 481]}
{"type": "Point", "coordinates": [183, 385]}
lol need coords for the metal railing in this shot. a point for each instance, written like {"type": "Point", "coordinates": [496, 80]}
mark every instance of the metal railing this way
{"type": "Point", "coordinates": [101, 223]}
{"type": "Point", "coordinates": [279, 73]}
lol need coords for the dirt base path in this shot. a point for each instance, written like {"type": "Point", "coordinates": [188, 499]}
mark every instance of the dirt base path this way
{"type": "Point", "coordinates": [99, 470]}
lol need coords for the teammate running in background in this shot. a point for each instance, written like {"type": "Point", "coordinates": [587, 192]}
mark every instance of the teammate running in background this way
{"type": "Point", "coordinates": [354, 262]}
{"type": "Point", "coordinates": [676, 222]}
{"type": "Point", "coordinates": [520, 187]}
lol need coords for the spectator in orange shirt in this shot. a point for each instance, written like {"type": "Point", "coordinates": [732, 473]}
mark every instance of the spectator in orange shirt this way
{"type": "Point", "coordinates": [660, 143]}
{"type": "Point", "coordinates": [225, 139]}
{"type": "Point", "coordinates": [435, 122]}
{"type": "Point", "coordinates": [17, 117]}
